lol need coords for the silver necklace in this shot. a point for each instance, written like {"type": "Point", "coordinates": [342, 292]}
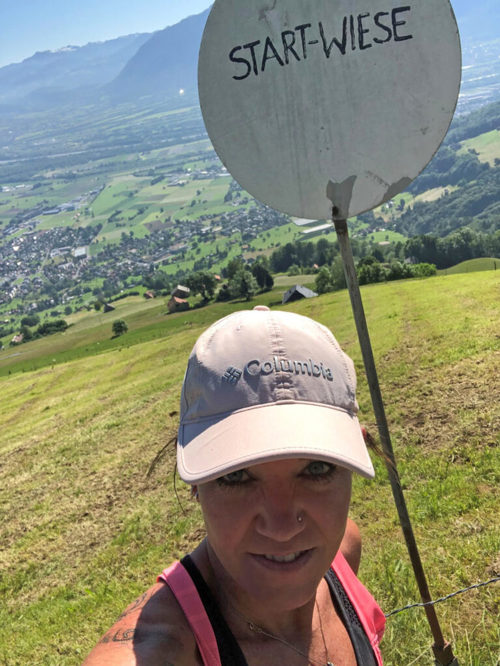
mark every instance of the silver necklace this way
{"type": "Point", "coordinates": [256, 629]}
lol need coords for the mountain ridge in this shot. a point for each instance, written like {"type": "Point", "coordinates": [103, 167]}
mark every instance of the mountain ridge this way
{"type": "Point", "coordinates": [68, 68]}
{"type": "Point", "coordinates": [146, 70]}
{"type": "Point", "coordinates": [149, 64]}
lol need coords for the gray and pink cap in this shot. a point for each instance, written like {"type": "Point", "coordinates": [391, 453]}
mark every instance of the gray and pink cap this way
{"type": "Point", "coordinates": [263, 385]}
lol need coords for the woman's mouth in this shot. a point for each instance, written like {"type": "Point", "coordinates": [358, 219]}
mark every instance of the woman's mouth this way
{"type": "Point", "coordinates": [284, 558]}
{"type": "Point", "coordinates": [287, 562]}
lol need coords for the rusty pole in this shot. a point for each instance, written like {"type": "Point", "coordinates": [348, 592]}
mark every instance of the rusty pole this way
{"type": "Point", "coordinates": [442, 649]}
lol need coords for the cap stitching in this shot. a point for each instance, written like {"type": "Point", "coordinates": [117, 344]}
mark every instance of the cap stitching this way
{"type": "Point", "coordinates": [278, 348]}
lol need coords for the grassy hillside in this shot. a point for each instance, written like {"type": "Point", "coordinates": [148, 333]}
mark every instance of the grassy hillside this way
{"type": "Point", "coordinates": [84, 531]}
{"type": "Point", "coordinates": [473, 265]}
{"type": "Point", "coordinates": [486, 145]}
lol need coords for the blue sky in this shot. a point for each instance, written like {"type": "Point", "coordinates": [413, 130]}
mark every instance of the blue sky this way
{"type": "Point", "coordinates": [27, 26]}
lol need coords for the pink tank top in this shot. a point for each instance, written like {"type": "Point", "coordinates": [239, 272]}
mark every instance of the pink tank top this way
{"type": "Point", "coordinates": [177, 578]}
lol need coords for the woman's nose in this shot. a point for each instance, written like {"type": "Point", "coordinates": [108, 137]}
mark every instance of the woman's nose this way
{"type": "Point", "coordinates": [279, 517]}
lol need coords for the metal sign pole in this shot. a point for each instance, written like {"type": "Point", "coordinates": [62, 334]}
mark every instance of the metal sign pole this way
{"type": "Point", "coordinates": [442, 649]}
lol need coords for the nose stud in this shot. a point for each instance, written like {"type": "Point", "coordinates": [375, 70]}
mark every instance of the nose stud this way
{"type": "Point", "coordinates": [300, 519]}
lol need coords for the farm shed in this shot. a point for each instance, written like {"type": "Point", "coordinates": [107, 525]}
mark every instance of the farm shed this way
{"type": "Point", "coordinates": [177, 304]}
{"type": "Point", "coordinates": [296, 293]}
{"type": "Point", "coordinates": [181, 292]}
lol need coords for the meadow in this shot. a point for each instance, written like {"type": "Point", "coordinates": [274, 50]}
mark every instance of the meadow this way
{"type": "Point", "coordinates": [84, 530]}
{"type": "Point", "coordinates": [472, 265]}
{"type": "Point", "coordinates": [487, 146]}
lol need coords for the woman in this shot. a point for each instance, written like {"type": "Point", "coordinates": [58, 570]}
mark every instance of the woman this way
{"type": "Point", "coordinates": [268, 439]}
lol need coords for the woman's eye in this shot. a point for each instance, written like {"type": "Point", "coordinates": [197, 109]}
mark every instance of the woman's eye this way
{"type": "Point", "coordinates": [235, 478]}
{"type": "Point", "coordinates": [319, 468]}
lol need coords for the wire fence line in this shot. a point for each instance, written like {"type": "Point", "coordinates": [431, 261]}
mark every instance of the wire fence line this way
{"type": "Point", "coordinates": [441, 599]}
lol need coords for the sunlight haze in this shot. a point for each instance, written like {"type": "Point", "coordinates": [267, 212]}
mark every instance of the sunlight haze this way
{"type": "Point", "coordinates": [32, 25]}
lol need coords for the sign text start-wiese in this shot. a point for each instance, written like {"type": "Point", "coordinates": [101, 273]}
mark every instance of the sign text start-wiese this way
{"type": "Point", "coordinates": [361, 31]}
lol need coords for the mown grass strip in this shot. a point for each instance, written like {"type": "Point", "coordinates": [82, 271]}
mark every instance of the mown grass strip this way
{"type": "Point", "coordinates": [83, 531]}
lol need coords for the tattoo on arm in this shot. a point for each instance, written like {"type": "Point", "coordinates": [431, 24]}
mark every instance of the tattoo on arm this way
{"type": "Point", "coordinates": [137, 604]}
{"type": "Point", "coordinates": [119, 636]}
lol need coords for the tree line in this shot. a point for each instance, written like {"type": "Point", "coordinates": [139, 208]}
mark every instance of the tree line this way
{"type": "Point", "coordinates": [444, 252]}
{"type": "Point", "coordinates": [476, 204]}
{"type": "Point", "coordinates": [46, 328]}
{"type": "Point", "coordinates": [419, 256]}
{"type": "Point", "coordinates": [242, 280]}
{"type": "Point", "coordinates": [473, 124]}
{"type": "Point", "coordinates": [369, 270]}
{"type": "Point", "coordinates": [449, 166]}
{"type": "Point", "coordinates": [459, 246]}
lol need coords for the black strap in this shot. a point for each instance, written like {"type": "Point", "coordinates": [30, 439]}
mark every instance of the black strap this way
{"type": "Point", "coordinates": [230, 652]}
{"type": "Point", "coordinates": [347, 613]}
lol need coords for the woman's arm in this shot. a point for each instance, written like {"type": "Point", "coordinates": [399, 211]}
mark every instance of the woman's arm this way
{"type": "Point", "coordinates": [152, 631]}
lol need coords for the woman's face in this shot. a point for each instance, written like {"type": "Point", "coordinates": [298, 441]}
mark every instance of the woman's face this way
{"type": "Point", "coordinates": [257, 545]}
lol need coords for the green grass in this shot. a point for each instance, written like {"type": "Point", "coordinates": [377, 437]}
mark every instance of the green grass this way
{"type": "Point", "coordinates": [473, 265]}
{"type": "Point", "coordinates": [386, 235]}
{"type": "Point", "coordinates": [159, 201]}
{"type": "Point", "coordinates": [287, 281]}
{"type": "Point", "coordinates": [487, 146]}
{"type": "Point", "coordinates": [84, 531]}
{"type": "Point", "coordinates": [111, 199]}
{"type": "Point", "coordinates": [55, 221]}
{"type": "Point", "coordinates": [272, 238]}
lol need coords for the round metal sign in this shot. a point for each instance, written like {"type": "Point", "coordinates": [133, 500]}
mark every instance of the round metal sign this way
{"type": "Point", "coordinates": [328, 104]}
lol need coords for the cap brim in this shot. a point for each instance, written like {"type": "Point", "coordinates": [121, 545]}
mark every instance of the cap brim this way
{"type": "Point", "coordinates": [209, 448]}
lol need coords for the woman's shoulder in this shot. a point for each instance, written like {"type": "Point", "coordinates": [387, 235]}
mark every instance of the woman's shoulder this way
{"type": "Point", "coordinates": [152, 630]}
{"type": "Point", "coordinates": [351, 545]}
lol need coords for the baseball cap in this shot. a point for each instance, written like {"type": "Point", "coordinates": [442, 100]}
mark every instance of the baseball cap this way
{"type": "Point", "coordinates": [261, 385]}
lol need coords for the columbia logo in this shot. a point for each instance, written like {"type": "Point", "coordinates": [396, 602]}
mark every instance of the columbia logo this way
{"type": "Point", "coordinates": [232, 375]}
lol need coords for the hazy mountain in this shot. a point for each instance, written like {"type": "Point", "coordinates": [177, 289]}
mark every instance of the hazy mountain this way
{"type": "Point", "coordinates": [53, 73]}
{"type": "Point", "coordinates": [166, 63]}
{"type": "Point", "coordinates": [155, 64]}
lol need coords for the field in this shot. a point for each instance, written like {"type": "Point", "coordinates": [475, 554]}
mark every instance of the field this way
{"type": "Point", "coordinates": [487, 146]}
{"type": "Point", "coordinates": [472, 265]}
{"type": "Point", "coordinates": [139, 208]}
{"type": "Point", "coordinates": [287, 281]}
{"type": "Point", "coordinates": [84, 530]}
